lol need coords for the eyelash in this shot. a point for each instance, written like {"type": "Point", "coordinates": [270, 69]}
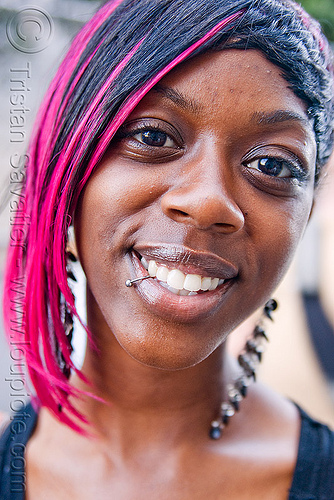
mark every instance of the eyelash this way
{"type": "Point", "coordinates": [294, 167]}
{"type": "Point", "coordinates": [148, 128]}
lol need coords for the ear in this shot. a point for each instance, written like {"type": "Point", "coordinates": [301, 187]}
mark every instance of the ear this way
{"type": "Point", "coordinates": [71, 246]}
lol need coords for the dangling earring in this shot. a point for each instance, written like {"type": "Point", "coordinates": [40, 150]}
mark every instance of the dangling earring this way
{"type": "Point", "coordinates": [62, 363]}
{"type": "Point", "coordinates": [248, 360]}
{"type": "Point", "coordinates": [67, 318]}
{"type": "Point", "coordinates": [66, 314]}
{"type": "Point", "coordinates": [70, 258]}
{"type": "Point", "coordinates": [68, 327]}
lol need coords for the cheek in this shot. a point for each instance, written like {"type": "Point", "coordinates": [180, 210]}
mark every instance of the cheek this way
{"type": "Point", "coordinates": [277, 233]}
{"type": "Point", "coordinates": [112, 196]}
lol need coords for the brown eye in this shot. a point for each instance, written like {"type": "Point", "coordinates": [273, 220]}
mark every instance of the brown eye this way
{"type": "Point", "coordinates": [155, 138]}
{"type": "Point", "coordinates": [275, 167]}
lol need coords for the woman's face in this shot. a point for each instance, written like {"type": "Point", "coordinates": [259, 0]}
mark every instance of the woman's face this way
{"type": "Point", "coordinates": [212, 176]}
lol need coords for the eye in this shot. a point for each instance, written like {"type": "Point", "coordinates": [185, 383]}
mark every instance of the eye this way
{"type": "Point", "coordinates": [155, 138]}
{"type": "Point", "coordinates": [274, 167]}
{"type": "Point", "coordinates": [149, 140]}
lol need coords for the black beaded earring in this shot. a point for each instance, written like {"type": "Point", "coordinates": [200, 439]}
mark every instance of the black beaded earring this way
{"type": "Point", "coordinates": [248, 360]}
{"type": "Point", "coordinates": [67, 319]}
{"type": "Point", "coordinates": [68, 327]}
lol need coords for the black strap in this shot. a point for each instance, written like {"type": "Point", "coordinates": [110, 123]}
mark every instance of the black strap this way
{"type": "Point", "coordinates": [12, 450]}
{"type": "Point", "coordinates": [314, 475]}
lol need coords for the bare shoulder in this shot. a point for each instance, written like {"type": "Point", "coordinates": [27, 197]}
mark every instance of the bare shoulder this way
{"type": "Point", "coordinates": [275, 418]}
{"type": "Point", "coordinates": [261, 441]}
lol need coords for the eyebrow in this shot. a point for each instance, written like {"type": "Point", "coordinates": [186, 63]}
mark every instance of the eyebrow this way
{"type": "Point", "coordinates": [260, 117]}
{"type": "Point", "coordinates": [278, 116]}
{"type": "Point", "coordinates": [178, 98]}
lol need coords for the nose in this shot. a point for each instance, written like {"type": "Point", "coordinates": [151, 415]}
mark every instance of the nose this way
{"type": "Point", "coordinates": [204, 200]}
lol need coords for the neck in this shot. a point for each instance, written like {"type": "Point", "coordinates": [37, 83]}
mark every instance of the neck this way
{"type": "Point", "coordinates": [145, 404]}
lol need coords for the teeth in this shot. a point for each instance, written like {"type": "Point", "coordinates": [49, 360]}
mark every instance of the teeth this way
{"type": "Point", "coordinates": [144, 262]}
{"type": "Point", "coordinates": [152, 268]}
{"type": "Point", "coordinates": [214, 283]}
{"type": "Point", "coordinates": [176, 279]}
{"type": "Point", "coordinates": [192, 282]}
{"type": "Point", "coordinates": [206, 283]}
{"type": "Point", "coordinates": [179, 283]}
{"type": "Point", "coordinates": [162, 273]}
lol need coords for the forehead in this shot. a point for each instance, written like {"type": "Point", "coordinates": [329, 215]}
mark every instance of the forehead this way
{"type": "Point", "coordinates": [241, 72]}
{"type": "Point", "coordinates": [239, 83]}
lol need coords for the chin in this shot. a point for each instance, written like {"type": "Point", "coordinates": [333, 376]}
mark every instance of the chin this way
{"type": "Point", "coordinates": [170, 356]}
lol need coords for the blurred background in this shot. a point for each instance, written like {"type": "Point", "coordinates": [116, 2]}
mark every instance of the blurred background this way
{"type": "Point", "coordinates": [299, 360]}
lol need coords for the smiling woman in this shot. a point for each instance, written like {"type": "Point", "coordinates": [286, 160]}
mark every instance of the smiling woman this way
{"type": "Point", "coordinates": [174, 187]}
{"type": "Point", "coordinates": [188, 167]}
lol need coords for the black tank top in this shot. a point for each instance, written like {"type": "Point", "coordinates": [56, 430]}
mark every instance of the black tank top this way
{"type": "Point", "coordinates": [313, 477]}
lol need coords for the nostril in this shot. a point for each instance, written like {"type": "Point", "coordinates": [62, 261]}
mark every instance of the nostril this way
{"type": "Point", "coordinates": [176, 212]}
{"type": "Point", "coordinates": [224, 224]}
{"type": "Point", "coordinates": [215, 210]}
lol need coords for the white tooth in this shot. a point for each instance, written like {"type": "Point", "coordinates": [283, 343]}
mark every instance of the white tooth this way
{"type": "Point", "coordinates": [173, 290]}
{"type": "Point", "coordinates": [192, 282]}
{"type": "Point", "coordinates": [214, 283]}
{"type": "Point", "coordinates": [184, 292]}
{"type": "Point", "coordinates": [192, 293]}
{"type": "Point", "coordinates": [176, 279]}
{"type": "Point", "coordinates": [163, 284]}
{"type": "Point", "coordinates": [144, 262]}
{"type": "Point", "coordinates": [152, 268]}
{"type": "Point", "coordinates": [162, 273]}
{"type": "Point", "coordinates": [221, 281]}
{"type": "Point", "coordinates": [206, 283]}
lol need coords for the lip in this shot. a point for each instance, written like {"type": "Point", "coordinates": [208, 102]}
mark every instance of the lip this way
{"type": "Point", "coordinates": [189, 261]}
{"type": "Point", "coordinates": [166, 304]}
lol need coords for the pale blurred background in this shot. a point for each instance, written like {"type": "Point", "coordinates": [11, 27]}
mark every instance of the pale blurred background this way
{"type": "Point", "coordinates": [292, 365]}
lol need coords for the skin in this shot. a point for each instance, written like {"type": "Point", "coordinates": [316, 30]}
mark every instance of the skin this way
{"type": "Point", "coordinates": [164, 370]}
